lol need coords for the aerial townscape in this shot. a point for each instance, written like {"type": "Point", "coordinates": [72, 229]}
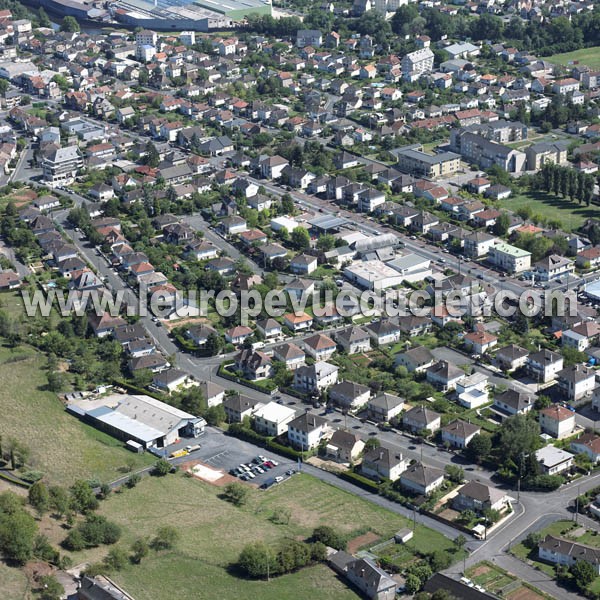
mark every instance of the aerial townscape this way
{"type": "Point", "coordinates": [299, 300]}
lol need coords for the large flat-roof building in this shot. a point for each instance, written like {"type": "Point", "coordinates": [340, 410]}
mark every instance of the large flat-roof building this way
{"type": "Point", "coordinates": [373, 275]}
{"type": "Point", "coordinates": [141, 419]}
{"type": "Point", "coordinates": [414, 161]}
{"type": "Point", "coordinates": [509, 258]}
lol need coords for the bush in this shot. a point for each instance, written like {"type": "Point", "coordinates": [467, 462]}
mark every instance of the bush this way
{"type": "Point", "coordinates": [328, 536]}
{"type": "Point", "coordinates": [165, 539]}
{"type": "Point", "coordinates": [94, 531]}
{"type": "Point", "coordinates": [544, 483]}
{"type": "Point", "coordinates": [236, 493]}
{"type": "Point", "coordinates": [161, 467]}
{"type": "Point", "coordinates": [361, 481]}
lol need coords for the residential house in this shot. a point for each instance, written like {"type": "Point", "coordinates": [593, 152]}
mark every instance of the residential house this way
{"type": "Point", "coordinates": [290, 354]}
{"type": "Point", "coordinates": [544, 366]}
{"type": "Point", "coordinates": [420, 418]}
{"type": "Point", "coordinates": [479, 497]}
{"type": "Point", "coordinates": [511, 357]}
{"type": "Point", "coordinates": [576, 381]}
{"type": "Point", "coordinates": [384, 407]}
{"type": "Point", "coordinates": [444, 375]}
{"type": "Point", "coordinates": [588, 444]}
{"type": "Point", "coordinates": [416, 359]}
{"type": "Point", "coordinates": [559, 551]}
{"type": "Point", "coordinates": [269, 328]}
{"type": "Point", "coordinates": [213, 393]}
{"type": "Point", "coordinates": [306, 431]}
{"type": "Point", "coordinates": [553, 460]}
{"type": "Point", "coordinates": [353, 340]}
{"type": "Point", "coordinates": [344, 446]}
{"type": "Point", "coordinates": [421, 479]}
{"type": "Point", "coordinates": [471, 391]}
{"type": "Point", "coordinates": [297, 322]}
{"type": "Point", "coordinates": [303, 264]}
{"type": "Point", "coordinates": [557, 421]}
{"type": "Point", "coordinates": [384, 462]}
{"type": "Point", "coordinates": [459, 433]}
{"type": "Point", "coordinates": [312, 379]}
{"type": "Point", "coordinates": [237, 407]}
{"type": "Point", "coordinates": [480, 341]}
{"type": "Point", "coordinates": [254, 364]}
{"type": "Point", "coordinates": [370, 579]}
{"type": "Point", "coordinates": [552, 267]}
{"type": "Point", "coordinates": [512, 402]}
{"type": "Point", "coordinates": [349, 395]}
{"type": "Point", "coordinates": [384, 331]}
{"type": "Point", "coordinates": [272, 419]}
{"type": "Point", "coordinates": [320, 346]}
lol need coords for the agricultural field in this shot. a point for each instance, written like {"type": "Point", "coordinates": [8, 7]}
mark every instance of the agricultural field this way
{"type": "Point", "coordinates": [213, 532]}
{"type": "Point", "coordinates": [586, 56]}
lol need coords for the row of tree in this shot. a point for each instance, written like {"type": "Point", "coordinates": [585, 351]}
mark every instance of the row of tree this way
{"type": "Point", "coordinates": [569, 183]}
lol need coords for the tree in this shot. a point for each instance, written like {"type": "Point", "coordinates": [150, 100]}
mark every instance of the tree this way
{"type": "Point", "coordinates": [161, 467]}
{"type": "Point", "coordinates": [236, 493]}
{"type": "Point", "coordinates": [39, 497]}
{"type": "Point", "coordinates": [300, 238]}
{"type": "Point", "coordinates": [59, 501]}
{"type": "Point", "coordinates": [583, 573]}
{"type": "Point", "coordinates": [456, 475]}
{"type": "Point", "coordinates": [17, 535]}
{"type": "Point", "coordinates": [4, 85]}
{"type": "Point", "coordinates": [459, 542]}
{"type": "Point", "coordinates": [139, 549]}
{"type": "Point", "coordinates": [519, 436]}
{"type": "Point", "coordinates": [502, 224]}
{"type": "Point", "coordinates": [371, 443]}
{"type": "Point", "coordinates": [50, 588]}
{"type": "Point", "coordinates": [70, 25]}
{"type": "Point", "coordinates": [56, 381]}
{"type": "Point", "coordinates": [439, 560]}
{"type": "Point", "coordinates": [329, 536]}
{"type": "Point", "coordinates": [83, 499]}
{"type": "Point", "coordinates": [287, 204]}
{"type": "Point", "coordinates": [152, 157]}
{"type": "Point", "coordinates": [116, 559]}
{"type": "Point", "coordinates": [479, 447]}
{"type": "Point", "coordinates": [412, 584]}
{"type": "Point", "coordinates": [257, 560]}
{"type": "Point", "coordinates": [43, 18]}
{"type": "Point", "coordinates": [165, 539]}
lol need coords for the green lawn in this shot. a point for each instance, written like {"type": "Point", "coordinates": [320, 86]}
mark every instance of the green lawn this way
{"type": "Point", "coordinates": [213, 532]}
{"type": "Point", "coordinates": [61, 446]}
{"type": "Point", "coordinates": [586, 56]}
{"type": "Point", "coordinates": [13, 583]}
{"type": "Point", "coordinates": [570, 214]}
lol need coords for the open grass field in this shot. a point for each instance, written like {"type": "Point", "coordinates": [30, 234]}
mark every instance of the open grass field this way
{"type": "Point", "coordinates": [586, 56]}
{"type": "Point", "coordinates": [570, 214]}
{"type": "Point", "coordinates": [213, 532]}
{"type": "Point", "coordinates": [13, 583]}
{"type": "Point", "coordinates": [62, 447]}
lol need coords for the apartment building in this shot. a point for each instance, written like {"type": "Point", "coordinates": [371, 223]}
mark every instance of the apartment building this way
{"type": "Point", "coordinates": [509, 258]}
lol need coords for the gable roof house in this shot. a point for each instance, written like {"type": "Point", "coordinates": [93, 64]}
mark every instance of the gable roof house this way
{"type": "Point", "coordinates": [350, 395]}
{"type": "Point", "coordinates": [254, 364]}
{"type": "Point", "coordinates": [588, 444]}
{"type": "Point", "coordinates": [312, 379]}
{"type": "Point", "coordinates": [416, 359]}
{"type": "Point", "coordinates": [290, 354]}
{"type": "Point", "coordinates": [577, 381]}
{"type": "Point", "coordinates": [344, 446]}
{"type": "Point", "coordinates": [306, 431]}
{"type": "Point", "coordinates": [420, 418]}
{"type": "Point", "coordinates": [237, 407]}
{"type": "Point", "coordinates": [386, 461]}
{"type": "Point", "coordinates": [353, 340]}
{"type": "Point", "coordinates": [512, 402]}
{"type": "Point", "coordinates": [459, 433]}
{"type": "Point", "coordinates": [544, 365]}
{"type": "Point", "coordinates": [557, 421]}
{"type": "Point", "coordinates": [444, 375]}
{"type": "Point", "coordinates": [479, 497]}
{"type": "Point", "coordinates": [421, 479]}
{"type": "Point", "coordinates": [384, 331]}
{"type": "Point", "coordinates": [384, 407]}
{"type": "Point", "coordinates": [560, 551]}
{"type": "Point", "coordinates": [371, 580]}
{"type": "Point", "coordinates": [511, 357]}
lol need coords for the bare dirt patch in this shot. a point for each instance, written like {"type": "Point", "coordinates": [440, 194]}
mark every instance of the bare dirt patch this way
{"type": "Point", "coordinates": [524, 593]}
{"type": "Point", "coordinates": [7, 486]}
{"type": "Point", "coordinates": [481, 570]}
{"type": "Point", "coordinates": [181, 322]}
{"type": "Point", "coordinates": [222, 480]}
{"type": "Point", "coordinates": [365, 539]}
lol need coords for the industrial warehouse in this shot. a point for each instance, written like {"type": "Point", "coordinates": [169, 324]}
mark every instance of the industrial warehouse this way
{"type": "Point", "coordinates": [145, 421]}
{"type": "Point", "coordinates": [162, 15]}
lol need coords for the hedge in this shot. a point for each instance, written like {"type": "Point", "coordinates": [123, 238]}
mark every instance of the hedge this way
{"type": "Point", "coordinates": [360, 481]}
{"type": "Point", "coordinates": [266, 387]}
{"type": "Point", "coordinates": [249, 435]}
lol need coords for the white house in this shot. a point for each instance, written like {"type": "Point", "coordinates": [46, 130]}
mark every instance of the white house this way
{"type": "Point", "coordinates": [577, 381]}
{"type": "Point", "coordinates": [272, 419]}
{"type": "Point", "coordinates": [559, 551]}
{"type": "Point", "coordinates": [421, 479]}
{"type": "Point", "coordinates": [553, 460]}
{"type": "Point", "coordinates": [459, 433]}
{"type": "Point", "coordinates": [385, 461]}
{"type": "Point", "coordinates": [306, 431]}
{"type": "Point", "coordinates": [588, 444]}
{"type": "Point", "coordinates": [315, 378]}
{"type": "Point", "coordinates": [557, 421]}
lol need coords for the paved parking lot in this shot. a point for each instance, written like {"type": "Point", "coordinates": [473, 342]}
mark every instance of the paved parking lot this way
{"type": "Point", "coordinates": [225, 453]}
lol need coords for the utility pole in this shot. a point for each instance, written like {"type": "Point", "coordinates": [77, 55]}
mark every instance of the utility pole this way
{"type": "Point", "coordinates": [518, 489]}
